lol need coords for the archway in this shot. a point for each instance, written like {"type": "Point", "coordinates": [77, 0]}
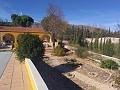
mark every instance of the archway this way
{"type": "Point", "coordinates": [19, 37]}
{"type": "Point", "coordinates": [8, 38]}
{"type": "Point", "coordinates": [46, 38]}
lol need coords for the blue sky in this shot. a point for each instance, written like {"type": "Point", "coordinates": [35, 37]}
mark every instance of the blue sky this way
{"type": "Point", "coordinates": [103, 13]}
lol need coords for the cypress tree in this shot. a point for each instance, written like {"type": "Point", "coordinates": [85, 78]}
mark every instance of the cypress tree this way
{"type": "Point", "coordinates": [96, 44]}
{"type": "Point", "coordinates": [111, 48]}
{"type": "Point", "coordinates": [108, 48]}
{"type": "Point", "coordinates": [104, 45]}
{"type": "Point", "coordinates": [82, 40]}
{"type": "Point", "coordinates": [82, 31]}
{"type": "Point", "coordinates": [101, 45]}
{"type": "Point", "coordinates": [118, 49]}
{"type": "Point", "coordinates": [109, 33]}
{"type": "Point", "coordinates": [74, 37]}
{"type": "Point", "coordinates": [91, 44]}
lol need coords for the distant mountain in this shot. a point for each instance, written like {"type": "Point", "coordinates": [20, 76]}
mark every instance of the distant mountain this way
{"type": "Point", "coordinates": [36, 24]}
{"type": "Point", "coordinates": [90, 28]}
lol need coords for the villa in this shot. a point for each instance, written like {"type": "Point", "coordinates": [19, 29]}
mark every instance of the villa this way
{"type": "Point", "coordinates": [11, 35]}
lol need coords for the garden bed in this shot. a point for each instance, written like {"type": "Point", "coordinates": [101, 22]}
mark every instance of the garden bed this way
{"type": "Point", "coordinates": [89, 68]}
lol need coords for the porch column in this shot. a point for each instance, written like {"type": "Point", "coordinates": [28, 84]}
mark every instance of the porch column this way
{"type": "Point", "coordinates": [15, 42]}
{"type": "Point", "coordinates": [1, 37]}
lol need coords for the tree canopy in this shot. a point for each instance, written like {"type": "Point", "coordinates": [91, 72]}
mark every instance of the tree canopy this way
{"type": "Point", "coordinates": [4, 22]}
{"type": "Point", "coordinates": [24, 20]}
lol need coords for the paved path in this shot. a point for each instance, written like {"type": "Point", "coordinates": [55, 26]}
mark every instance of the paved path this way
{"type": "Point", "coordinates": [15, 76]}
{"type": "Point", "coordinates": [4, 58]}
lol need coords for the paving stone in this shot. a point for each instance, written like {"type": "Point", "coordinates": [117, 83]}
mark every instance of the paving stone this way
{"type": "Point", "coordinates": [17, 88]}
{"type": "Point", "coordinates": [15, 76]}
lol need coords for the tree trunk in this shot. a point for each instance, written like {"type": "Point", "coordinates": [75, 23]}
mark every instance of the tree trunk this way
{"type": "Point", "coordinates": [53, 39]}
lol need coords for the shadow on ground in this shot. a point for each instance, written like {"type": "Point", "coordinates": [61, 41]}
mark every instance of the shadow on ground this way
{"type": "Point", "coordinates": [4, 47]}
{"type": "Point", "coordinates": [64, 68]}
{"type": "Point", "coordinates": [54, 78]}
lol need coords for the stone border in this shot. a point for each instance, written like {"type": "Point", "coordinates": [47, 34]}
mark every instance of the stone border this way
{"type": "Point", "coordinates": [35, 78]}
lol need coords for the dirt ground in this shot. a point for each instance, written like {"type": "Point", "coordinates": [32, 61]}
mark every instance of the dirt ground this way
{"type": "Point", "coordinates": [90, 70]}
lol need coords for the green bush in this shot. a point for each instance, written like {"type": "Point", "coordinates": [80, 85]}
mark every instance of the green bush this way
{"type": "Point", "coordinates": [82, 52]}
{"type": "Point", "coordinates": [65, 59]}
{"type": "Point", "coordinates": [30, 46]}
{"type": "Point", "coordinates": [117, 80]}
{"type": "Point", "coordinates": [59, 51]}
{"type": "Point", "coordinates": [61, 44]}
{"type": "Point", "coordinates": [73, 61]}
{"type": "Point", "coordinates": [110, 64]}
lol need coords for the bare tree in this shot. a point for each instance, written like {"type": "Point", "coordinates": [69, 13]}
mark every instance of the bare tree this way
{"type": "Point", "coordinates": [54, 22]}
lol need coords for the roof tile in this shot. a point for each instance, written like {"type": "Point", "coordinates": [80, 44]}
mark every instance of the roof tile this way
{"type": "Point", "coordinates": [20, 29]}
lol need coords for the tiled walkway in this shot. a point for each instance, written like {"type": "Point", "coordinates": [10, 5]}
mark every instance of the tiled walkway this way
{"type": "Point", "coordinates": [15, 76]}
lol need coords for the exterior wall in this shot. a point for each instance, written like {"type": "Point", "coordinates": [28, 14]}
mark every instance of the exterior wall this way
{"type": "Point", "coordinates": [15, 34]}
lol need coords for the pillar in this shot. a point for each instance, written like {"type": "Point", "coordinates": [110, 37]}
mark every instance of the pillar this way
{"type": "Point", "coordinates": [50, 38]}
{"type": "Point", "coordinates": [1, 37]}
{"type": "Point", "coordinates": [15, 42]}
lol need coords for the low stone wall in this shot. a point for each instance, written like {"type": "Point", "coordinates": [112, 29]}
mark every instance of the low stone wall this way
{"type": "Point", "coordinates": [35, 78]}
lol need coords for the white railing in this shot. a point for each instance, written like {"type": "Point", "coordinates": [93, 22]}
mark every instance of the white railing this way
{"type": "Point", "coordinates": [35, 78]}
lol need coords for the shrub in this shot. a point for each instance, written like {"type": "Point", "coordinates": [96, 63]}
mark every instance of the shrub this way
{"type": "Point", "coordinates": [110, 64]}
{"type": "Point", "coordinates": [82, 52]}
{"type": "Point", "coordinates": [61, 44]}
{"type": "Point", "coordinates": [65, 59]}
{"type": "Point", "coordinates": [73, 61]}
{"type": "Point", "coordinates": [30, 46]}
{"type": "Point", "coordinates": [117, 80]}
{"type": "Point", "coordinates": [59, 51]}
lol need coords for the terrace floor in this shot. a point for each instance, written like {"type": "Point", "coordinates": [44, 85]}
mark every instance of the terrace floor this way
{"type": "Point", "coordinates": [15, 76]}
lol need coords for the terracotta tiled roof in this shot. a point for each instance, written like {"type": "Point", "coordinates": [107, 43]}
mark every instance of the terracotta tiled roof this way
{"type": "Point", "coordinates": [20, 29]}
